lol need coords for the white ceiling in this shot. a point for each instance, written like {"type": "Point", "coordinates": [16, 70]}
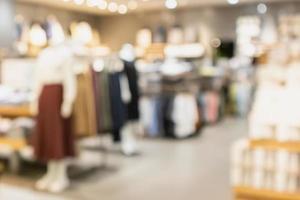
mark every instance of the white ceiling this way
{"type": "Point", "coordinates": [143, 5]}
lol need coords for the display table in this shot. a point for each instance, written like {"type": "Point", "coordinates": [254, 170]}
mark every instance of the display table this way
{"type": "Point", "coordinates": [9, 147]}
{"type": "Point", "coordinates": [248, 193]}
{"type": "Point", "coordinates": [15, 111]}
{"type": "Point", "coordinates": [254, 194]}
{"type": "Point", "coordinates": [276, 145]}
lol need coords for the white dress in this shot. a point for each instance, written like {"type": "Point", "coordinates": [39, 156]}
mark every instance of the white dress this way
{"type": "Point", "coordinates": [266, 106]}
{"type": "Point", "coordinates": [290, 107]}
{"type": "Point", "coordinates": [185, 115]}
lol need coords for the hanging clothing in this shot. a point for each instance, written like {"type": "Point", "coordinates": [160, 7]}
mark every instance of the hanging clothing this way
{"type": "Point", "coordinates": [133, 105]}
{"type": "Point", "coordinates": [118, 108]}
{"type": "Point", "coordinates": [84, 106]}
{"type": "Point", "coordinates": [185, 115]}
{"type": "Point", "coordinates": [102, 99]}
{"type": "Point", "coordinates": [210, 103]}
{"type": "Point", "coordinates": [53, 138]}
{"type": "Point", "coordinates": [167, 121]}
{"type": "Point", "coordinates": [290, 103]}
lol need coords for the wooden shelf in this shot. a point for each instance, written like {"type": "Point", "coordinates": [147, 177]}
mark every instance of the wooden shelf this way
{"type": "Point", "coordinates": [14, 144]}
{"type": "Point", "coordinates": [247, 193]}
{"type": "Point", "coordinates": [15, 111]}
{"type": "Point", "coordinates": [276, 145]}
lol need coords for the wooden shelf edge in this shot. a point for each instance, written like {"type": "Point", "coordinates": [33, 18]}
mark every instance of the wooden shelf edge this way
{"type": "Point", "coordinates": [15, 111]}
{"type": "Point", "coordinates": [276, 145]}
{"type": "Point", "coordinates": [13, 143]}
{"type": "Point", "coordinates": [250, 193]}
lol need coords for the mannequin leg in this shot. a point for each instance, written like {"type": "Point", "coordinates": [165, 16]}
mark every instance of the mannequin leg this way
{"type": "Point", "coordinates": [44, 182]}
{"type": "Point", "coordinates": [129, 142]}
{"type": "Point", "coordinates": [60, 181]}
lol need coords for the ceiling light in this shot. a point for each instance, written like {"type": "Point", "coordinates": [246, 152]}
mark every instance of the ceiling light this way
{"type": "Point", "coordinates": [233, 2]}
{"type": "Point", "coordinates": [67, 0]}
{"type": "Point", "coordinates": [122, 9]}
{"type": "Point", "coordinates": [262, 8]}
{"type": "Point", "coordinates": [171, 4]}
{"type": "Point", "coordinates": [113, 7]}
{"type": "Point", "coordinates": [102, 4]}
{"type": "Point", "coordinates": [92, 3]}
{"type": "Point", "coordinates": [79, 2]}
{"type": "Point", "coordinates": [132, 5]}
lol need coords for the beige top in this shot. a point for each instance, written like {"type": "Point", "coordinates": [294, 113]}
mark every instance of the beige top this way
{"type": "Point", "coordinates": [54, 66]}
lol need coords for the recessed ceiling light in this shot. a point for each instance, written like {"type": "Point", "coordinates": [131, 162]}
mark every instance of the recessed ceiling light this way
{"type": "Point", "coordinates": [113, 7]}
{"type": "Point", "coordinates": [171, 4]}
{"type": "Point", "coordinates": [102, 4]}
{"type": "Point", "coordinates": [122, 9]}
{"type": "Point", "coordinates": [262, 8]}
{"type": "Point", "coordinates": [132, 5]}
{"type": "Point", "coordinates": [233, 2]}
{"type": "Point", "coordinates": [79, 2]}
{"type": "Point", "coordinates": [92, 3]}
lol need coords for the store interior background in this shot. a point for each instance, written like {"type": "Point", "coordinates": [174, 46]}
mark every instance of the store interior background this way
{"type": "Point", "coordinates": [198, 167]}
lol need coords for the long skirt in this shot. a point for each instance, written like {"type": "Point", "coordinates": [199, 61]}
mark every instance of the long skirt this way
{"type": "Point", "coordinates": [53, 138]}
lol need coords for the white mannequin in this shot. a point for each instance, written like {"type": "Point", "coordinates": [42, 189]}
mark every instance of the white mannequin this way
{"type": "Point", "coordinates": [129, 131]}
{"type": "Point", "coordinates": [263, 123]}
{"type": "Point", "coordinates": [290, 123]}
{"type": "Point", "coordinates": [54, 67]}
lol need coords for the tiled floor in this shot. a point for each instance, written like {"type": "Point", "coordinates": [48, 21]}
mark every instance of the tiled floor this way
{"type": "Point", "coordinates": [194, 169]}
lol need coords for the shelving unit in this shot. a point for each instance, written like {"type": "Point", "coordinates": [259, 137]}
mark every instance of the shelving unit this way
{"type": "Point", "coordinates": [248, 193]}
{"type": "Point", "coordinates": [14, 144]}
{"type": "Point", "coordinates": [10, 146]}
{"type": "Point", "coordinates": [245, 193]}
{"type": "Point", "coordinates": [276, 145]}
{"type": "Point", "coordinates": [15, 111]}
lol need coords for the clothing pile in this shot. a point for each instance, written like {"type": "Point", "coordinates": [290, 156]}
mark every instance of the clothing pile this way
{"type": "Point", "coordinates": [264, 169]}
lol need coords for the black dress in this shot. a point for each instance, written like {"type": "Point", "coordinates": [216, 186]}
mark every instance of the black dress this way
{"type": "Point", "coordinates": [132, 106]}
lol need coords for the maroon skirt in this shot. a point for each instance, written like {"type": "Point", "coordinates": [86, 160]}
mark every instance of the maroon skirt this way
{"type": "Point", "coordinates": [53, 138]}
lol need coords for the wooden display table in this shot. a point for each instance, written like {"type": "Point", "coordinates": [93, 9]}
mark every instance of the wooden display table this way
{"type": "Point", "coordinates": [246, 193]}
{"type": "Point", "coordinates": [15, 144]}
{"type": "Point", "coordinates": [14, 111]}
{"type": "Point", "coordinates": [275, 145]}
{"type": "Point", "coordinates": [11, 146]}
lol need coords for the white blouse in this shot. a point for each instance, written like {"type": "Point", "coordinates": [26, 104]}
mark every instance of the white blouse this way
{"type": "Point", "coordinates": [54, 66]}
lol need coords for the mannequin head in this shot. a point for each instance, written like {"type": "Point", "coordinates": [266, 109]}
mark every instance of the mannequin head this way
{"type": "Point", "coordinates": [127, 53]}
{"type": "Point", "coordinates": [57, 32]}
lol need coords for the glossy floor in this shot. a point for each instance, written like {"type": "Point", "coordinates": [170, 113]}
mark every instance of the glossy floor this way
{"type": "Point", "coordinates": [193, 169]}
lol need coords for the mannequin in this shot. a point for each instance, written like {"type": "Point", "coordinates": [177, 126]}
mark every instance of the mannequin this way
{"type": "Point", "coordinates": [289, 127]}
{"type": "Point", "coordinates": [265, 114]}
{"type": "Point", "coordinates": [53, 95]}
{"type": "Point", "coordinates": [131, 99]}
{"type": "Point", "coordinates": [263, 124]}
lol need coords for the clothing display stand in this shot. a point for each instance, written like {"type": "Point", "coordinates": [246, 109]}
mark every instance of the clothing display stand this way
{"type": "Point", "coordinates": [13, 146]}
{"type": "Point", "coordinates": [247, 193]}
